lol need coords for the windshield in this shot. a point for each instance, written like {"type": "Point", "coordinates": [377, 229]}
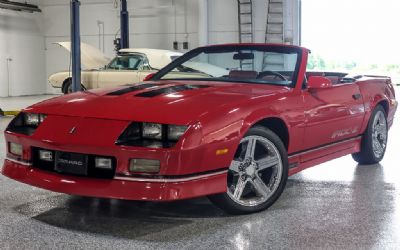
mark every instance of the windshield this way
{"type": "Point", "coordinates": [241, 63]}
{"type": "Point", "coordinates": [126, 62]}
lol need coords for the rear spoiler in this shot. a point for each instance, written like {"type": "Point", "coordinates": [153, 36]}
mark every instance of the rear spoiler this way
{"type": "Point", "coordinates": [372, 76]}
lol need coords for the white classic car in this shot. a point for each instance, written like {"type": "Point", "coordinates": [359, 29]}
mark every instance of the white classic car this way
{"type": "Point", "coordinates": [129, 66]}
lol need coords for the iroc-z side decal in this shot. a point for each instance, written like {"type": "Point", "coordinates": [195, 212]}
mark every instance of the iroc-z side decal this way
{"type": "Point", "coordinates": [344, 132]}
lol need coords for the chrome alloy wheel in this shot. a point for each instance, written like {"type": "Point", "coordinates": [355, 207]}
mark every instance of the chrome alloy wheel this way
{"type": "Point", "coordinates": [255, 172]}
{"type": "Point", "coordinates": [379, 134]}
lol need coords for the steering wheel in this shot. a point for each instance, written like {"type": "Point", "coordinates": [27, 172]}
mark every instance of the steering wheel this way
{"type": "Point", "coordinates": [273, 73]}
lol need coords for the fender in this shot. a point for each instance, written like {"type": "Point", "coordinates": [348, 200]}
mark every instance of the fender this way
{"type": "Point", "coordinates": [257, 117]}
{"type": "Point", "coordinates": [374, 92]}
{"type": "Point", "coordinates": [57, 80]}
{"type": "Point", "coordinates": [236, 126]}
{"type": "Point", "coordinates": [293, 119]}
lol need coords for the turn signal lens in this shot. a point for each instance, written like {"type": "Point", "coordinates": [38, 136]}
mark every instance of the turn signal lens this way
{"type": "Point", "coordinates": [221, 151]}
{"type": "Point", "coordinates": [15, 149]}
{"type": "Point", "coordinates": [144, 166]}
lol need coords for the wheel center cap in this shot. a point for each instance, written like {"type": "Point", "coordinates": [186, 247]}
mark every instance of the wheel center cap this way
{"type": "Point", "coordinates": [250, 171]}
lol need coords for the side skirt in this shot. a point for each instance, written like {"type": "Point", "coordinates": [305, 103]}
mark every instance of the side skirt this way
{"type": "Point", "coordinates": [313, 157]}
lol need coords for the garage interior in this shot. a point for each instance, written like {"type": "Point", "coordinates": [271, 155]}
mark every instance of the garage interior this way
{"type": "Point", "coordinates": [338, 204]}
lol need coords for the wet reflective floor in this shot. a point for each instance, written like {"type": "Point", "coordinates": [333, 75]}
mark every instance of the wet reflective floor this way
{"type": "Point", "coordinates": [338, 204]}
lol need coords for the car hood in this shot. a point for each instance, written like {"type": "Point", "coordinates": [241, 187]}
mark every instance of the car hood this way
{"type": "Point", "coordinates": [91, 57]}
{"type": "Point", "coordinates": [169, 102]}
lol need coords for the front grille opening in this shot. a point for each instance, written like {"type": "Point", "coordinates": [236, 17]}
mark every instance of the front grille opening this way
{"type": "Point", "coordinates": [92, 171]}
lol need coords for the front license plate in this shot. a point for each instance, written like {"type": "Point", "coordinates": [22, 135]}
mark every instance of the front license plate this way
{"type": "Point", "coordinates": [71, 163]}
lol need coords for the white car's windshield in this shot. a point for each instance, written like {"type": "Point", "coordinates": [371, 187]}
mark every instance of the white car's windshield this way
{"type": "Point", "coordinates": [236, 63]}
{"type": "Point", "coordinates": [126, 62]}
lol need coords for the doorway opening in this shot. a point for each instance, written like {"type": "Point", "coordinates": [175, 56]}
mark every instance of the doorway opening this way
{"type": "Point", "coordinates": [353, 36]}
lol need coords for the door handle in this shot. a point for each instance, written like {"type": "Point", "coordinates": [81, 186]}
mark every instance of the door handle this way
{"type": "Point", "coordinates": [356, 96]}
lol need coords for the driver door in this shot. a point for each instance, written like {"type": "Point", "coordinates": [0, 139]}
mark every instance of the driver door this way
{"type": "Point", "coordinates": [332, 114]}
{"type": "Point", "coordinates": [111, 78]}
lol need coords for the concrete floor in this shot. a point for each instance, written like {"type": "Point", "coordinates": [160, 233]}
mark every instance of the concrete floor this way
{"type": "Point", "coordinates": [337, 205]}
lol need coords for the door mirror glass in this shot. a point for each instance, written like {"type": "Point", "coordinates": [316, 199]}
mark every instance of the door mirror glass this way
{"type": "Point", "coordinates": [318, 82]}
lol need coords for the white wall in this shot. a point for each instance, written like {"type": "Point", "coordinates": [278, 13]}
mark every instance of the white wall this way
{"type": "Point", "coordinates": [153, 24]}
{"type": "Point", "coordinates": [22, 70]}
{"type": "Point", "coordinates": [30, 38]}
{"type": "Point", "coordinates": [292, 21]}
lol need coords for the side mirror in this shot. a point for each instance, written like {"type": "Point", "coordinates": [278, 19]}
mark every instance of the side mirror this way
{"type": "Point", "coordinates": [318, 82]}
{"type": "Point", "coordinates": [148, 77]}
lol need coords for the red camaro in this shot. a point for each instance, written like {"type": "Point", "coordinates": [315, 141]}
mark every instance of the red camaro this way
{"type": "Point", "coordinates": [231, 122]}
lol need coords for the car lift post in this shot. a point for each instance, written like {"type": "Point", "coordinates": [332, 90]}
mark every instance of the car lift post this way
{"type": "Point", "coordinates": [124, 25]}
{"type": "Point", "coordinates": [75, 46]}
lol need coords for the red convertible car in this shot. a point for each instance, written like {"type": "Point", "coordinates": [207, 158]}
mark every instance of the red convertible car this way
{"type": "Point", "coordinates": [230, 122]}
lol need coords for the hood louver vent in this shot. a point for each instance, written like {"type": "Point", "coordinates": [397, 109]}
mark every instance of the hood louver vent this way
{"type": "Point", "coordinates": [133, 88]}
{"type": "Point", "coordinates": [170, 90]}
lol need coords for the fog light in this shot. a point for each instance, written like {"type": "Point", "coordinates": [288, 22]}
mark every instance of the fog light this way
{"type": "Point", "coordinates": [104, 163]}
{"type": "Point", "coordinates": [15, 149]}
{"type": "Point", "coordinates": [144, 166]}
{"type": "Point", "coordinates": [45, 155]}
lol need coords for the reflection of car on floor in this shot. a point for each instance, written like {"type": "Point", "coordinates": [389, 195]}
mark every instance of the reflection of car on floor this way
{"type": "Point", "coordinates": [129, 66]}
{"type": "Point", "coordinates": [231, 122]}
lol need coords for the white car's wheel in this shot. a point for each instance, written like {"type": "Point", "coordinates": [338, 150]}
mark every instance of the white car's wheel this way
{"type": "Point", "coordinates": [257, 174]}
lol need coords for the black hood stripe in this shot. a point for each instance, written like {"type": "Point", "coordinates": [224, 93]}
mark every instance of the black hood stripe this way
{"type": "Point", "coordinates": [134, 88]}
{"type": "Point", "coordinates": [170, 90]}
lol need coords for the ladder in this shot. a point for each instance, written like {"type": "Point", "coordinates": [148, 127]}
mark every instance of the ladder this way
{"type": "Point", "coordinates": [245, 14]}
{"type": "Point", "coordinates": [274, 33]}
{"type": "Point", "coordinates": [246, 35]}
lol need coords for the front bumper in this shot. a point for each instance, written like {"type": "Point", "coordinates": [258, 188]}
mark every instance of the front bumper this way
{"type": "Point", "coordinates": [128, 188]}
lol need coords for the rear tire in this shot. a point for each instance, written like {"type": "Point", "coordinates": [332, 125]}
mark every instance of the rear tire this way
{"type": "Point", "coordinates": [257, 175]}
{"type": "Point", "coordinates": [374, 140]}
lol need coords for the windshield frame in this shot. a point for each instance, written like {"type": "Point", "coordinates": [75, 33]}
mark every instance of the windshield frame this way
{"type": "Point", "coordinates": [232, 47]}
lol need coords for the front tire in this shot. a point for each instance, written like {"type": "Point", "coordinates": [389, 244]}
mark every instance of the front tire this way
{"type": "Point", "coordinates": [257, 174]}
{"type": "Point", "coordinates": [374, 140]}
{"type": "Point", "coordinates": [67, 87]}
